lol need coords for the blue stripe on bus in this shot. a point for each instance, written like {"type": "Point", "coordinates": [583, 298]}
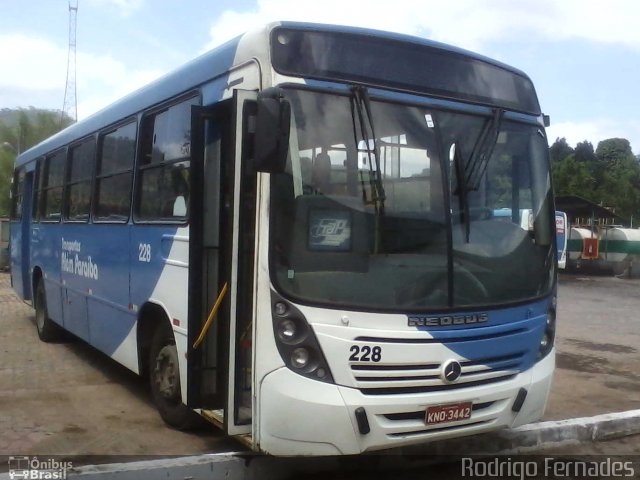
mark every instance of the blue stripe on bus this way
{"type": "Point", "coordinates": [509, 332]}
{"type": "Point", "coordinates": [99, 310]}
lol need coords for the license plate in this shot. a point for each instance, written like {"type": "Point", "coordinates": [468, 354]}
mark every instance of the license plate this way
{"type": "Point", "coordinates": [453, 412]}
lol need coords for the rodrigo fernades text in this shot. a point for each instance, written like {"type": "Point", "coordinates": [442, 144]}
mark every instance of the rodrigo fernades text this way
{"type": "Point", "coordinates": [546, 467]}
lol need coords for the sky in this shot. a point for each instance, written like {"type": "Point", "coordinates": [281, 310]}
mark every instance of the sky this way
{"type": "Point", "coordinates": [582, 55]}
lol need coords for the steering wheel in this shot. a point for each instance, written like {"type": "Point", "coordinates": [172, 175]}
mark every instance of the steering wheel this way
{"type": "Point", "coordinates": [433, 290]}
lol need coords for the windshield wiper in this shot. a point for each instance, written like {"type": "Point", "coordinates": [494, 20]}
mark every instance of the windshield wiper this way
{"type": "Point", "coordinates": [462, 189]}
{"type": "Point", "coordinates": [482, 150]}
{"type": "Point", "coordinates": [470, 175]}
{"type": "Point", "coordinates": [361, 105]}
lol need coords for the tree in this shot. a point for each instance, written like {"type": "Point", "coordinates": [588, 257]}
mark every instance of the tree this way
{"type": "Point", "coordinates": [584, 153]}
{"type": "Point", "coordinates": [619, 185]}
{"type": "Point", "coordinates": [571, 177]}
{"type": "Point", "coordinates": [560, 150]}
{"type": "Point", "coordinates": [6, 168]}
{"type": "Point", "coordinates": [609, 176]}
{"type": "Point", "coordinates": [614, 150]}
{"type": "Point", "coordinates": [20, 130]}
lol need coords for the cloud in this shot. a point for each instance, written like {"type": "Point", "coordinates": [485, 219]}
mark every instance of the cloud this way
{"type": "Point", "coordinates": [125, 7]}
{"type": "Point", "coordinates": [33, 63]}
{"type": "Point", "coordinates": [38, 76]}
{"type": "Point", "coordinates": [466, 23]}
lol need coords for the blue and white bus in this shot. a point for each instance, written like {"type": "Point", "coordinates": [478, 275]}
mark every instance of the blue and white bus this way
{"type": "Point", "coordinates": [293, 237]}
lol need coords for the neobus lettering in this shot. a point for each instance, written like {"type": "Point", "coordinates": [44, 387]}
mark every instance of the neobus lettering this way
{"type": "Point", "coordinates": [418, 321]}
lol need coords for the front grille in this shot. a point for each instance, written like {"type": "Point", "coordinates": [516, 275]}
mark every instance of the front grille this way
{"type": "Point", "coordinates": [403, 424]}
{"type": "Point", "coordinates": [393, 379]}
{"type": "Point", "coordinates": [465, 426]}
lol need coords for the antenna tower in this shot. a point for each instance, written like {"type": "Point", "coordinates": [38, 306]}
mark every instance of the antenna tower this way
{"type": "Point", "coordinates": [70, 104]}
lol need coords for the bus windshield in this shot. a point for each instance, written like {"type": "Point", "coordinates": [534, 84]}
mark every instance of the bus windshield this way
{"type": "Point", "coordinates": [368, 213]}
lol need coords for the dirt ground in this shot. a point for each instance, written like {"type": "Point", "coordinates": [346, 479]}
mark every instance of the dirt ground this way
{"type": "Point", "coordinates": [68, 399]}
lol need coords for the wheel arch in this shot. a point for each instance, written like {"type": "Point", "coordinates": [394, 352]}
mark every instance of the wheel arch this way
{"type": "Point", "coordinates": [36, 276]}
{"type": "Point", "coordinates": [151, 316]}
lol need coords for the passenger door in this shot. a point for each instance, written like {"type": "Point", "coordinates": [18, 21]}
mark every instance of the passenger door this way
{"type": "Point", "coordinates": [222, 245]}
{"type": "Point", "coordinates": [20, 241]}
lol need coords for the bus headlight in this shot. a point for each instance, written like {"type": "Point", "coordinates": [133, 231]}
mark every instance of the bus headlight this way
{"type": "Point", "coordinates": [549, 336]}
{"type": "Point", "coordinates": [287, 330]}
{"type": "Point", "coordinates": [299, 358]}
{"type": "Point", "coordinates": [296, 342]}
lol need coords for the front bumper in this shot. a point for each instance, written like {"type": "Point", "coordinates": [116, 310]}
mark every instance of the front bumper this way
{"type": "Point", "coordinates": [299, 416]}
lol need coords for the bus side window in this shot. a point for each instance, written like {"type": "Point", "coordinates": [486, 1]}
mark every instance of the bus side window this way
{"type": "Point", "coordinates": [16, 194]}
{"type": "Point", "coordinates": [164, 169]}
{"type": "Point", "coordinates": [37, 197]}
{"type": "Point", "coordinates": [114, 172]}
{"type": "Point", "coordinates": [78, 182]}
{"type": "Point", "coordinates": [51, 186]}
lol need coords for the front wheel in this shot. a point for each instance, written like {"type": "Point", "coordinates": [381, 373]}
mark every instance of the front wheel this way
{"type": "Point", "coordinates": [48, 331]}
{"type": "Point", "coordinates": [164, 376]}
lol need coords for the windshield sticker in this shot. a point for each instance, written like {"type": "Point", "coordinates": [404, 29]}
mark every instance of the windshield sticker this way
{"type": "Point", "coordinates": [329, 230]}
{"type": "Point", "coordinates": [429, 120]}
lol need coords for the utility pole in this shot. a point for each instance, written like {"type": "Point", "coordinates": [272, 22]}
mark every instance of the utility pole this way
{"type": "Point", "coordinates": [70, 104]}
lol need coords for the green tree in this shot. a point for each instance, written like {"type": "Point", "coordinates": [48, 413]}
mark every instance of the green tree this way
{"type": "Point", "coordinates": [6, 168]}
{"type": "Point", "coordinates": [571, 177]}
{"type": "Point", "coordinates": [614, 150]}
{"type": "Point", "coordinates": [20, 130]}
{"type": "Point", "coordinates": [585, 153]}
{"type": "Point", "coordinates": [559, 150]}
{"type": "Point", "coordinates": [619, 175]}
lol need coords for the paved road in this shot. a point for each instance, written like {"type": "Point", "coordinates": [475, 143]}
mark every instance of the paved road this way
{"type": "Point", "coordinates": [598, 343]}
{"type": "Point", "coordinates": [69, 399]}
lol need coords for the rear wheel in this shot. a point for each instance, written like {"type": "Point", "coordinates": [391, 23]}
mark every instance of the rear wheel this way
{"type": "Point", "coordinates": [164, 376]}
{"type": "Point", "coordinates": [48, 331]}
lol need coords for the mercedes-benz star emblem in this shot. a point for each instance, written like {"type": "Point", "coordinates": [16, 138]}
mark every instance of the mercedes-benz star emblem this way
{"type": "Point", "coordinates": [451, 371]}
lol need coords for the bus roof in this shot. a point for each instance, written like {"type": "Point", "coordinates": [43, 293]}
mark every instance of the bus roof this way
{"type": "Point", "coordinates": [401, 37]}
{"type": "Point", "coordinates": [210, 65]}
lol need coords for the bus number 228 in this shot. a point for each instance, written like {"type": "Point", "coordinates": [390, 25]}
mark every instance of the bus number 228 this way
{"type": "Point", "coordinates": [144, 252]}
{"type": "Point", "coordinates": [365, 353]}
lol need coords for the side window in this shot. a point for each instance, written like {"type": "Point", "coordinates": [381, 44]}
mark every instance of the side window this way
{"type": "Point", "coordinates": [37, 189]}
{"type": "Point", "coordinates": [114, 171]}
{"type": "Point", "coordinates": [164, 176]}
{"type": "Point", "coordinates": [51, 187]}
{"type": "Point", "coordinates": [17, 191]}
{"type": "Point", "coordinates": [79, 174]}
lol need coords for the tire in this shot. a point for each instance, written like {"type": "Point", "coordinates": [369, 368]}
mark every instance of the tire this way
{"type": "Point", "coordinates": [164, 379]}
{"type": "Point", "coordinates": [48, 331]}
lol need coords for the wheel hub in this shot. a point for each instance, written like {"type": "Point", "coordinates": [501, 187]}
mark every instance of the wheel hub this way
{"type": "Point", "coordinates": [166, 373]}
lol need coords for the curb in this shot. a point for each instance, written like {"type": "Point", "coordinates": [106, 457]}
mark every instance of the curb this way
{"type": "Point", "coordinates": [241, 465]}
{"type": "Point", "coordinates": [533, 437]}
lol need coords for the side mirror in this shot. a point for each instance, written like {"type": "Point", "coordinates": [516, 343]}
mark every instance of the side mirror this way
{"type": "Point", "coordinates": [271, 140]}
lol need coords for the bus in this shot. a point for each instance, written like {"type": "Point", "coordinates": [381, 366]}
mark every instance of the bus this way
{"type": "Point", "coordinates": [293, 237]}
{"type": "Point", "coordinates": [562, 234]}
